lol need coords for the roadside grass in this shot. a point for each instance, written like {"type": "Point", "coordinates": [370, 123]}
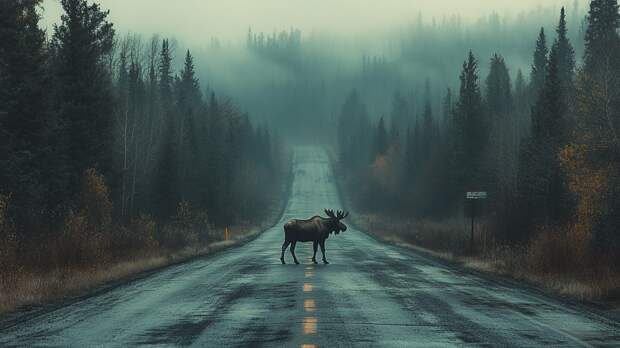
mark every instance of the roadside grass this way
{"type": "Point", "coordinates": [89, 249]}
{"type": "Point", "coordinates": [546, 263]}
{"type": "Point", "coordinates": [21, 286]}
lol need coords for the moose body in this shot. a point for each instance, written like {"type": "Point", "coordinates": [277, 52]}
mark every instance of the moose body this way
{"type": "Point", "coordinates": [315, 230]}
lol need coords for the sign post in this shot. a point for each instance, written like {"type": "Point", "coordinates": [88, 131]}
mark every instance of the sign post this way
{"type": "Point", "coordinates": [472, 197]}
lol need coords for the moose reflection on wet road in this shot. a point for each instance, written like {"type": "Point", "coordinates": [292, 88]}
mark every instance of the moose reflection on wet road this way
{"type": "Point", "coordinates": [371, 295]}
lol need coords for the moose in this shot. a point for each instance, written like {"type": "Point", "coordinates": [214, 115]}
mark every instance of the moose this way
{"type": "Point", "coordinates": [316, 230]}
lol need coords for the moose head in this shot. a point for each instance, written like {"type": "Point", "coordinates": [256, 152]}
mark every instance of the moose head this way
{"type": "Point", "coordinates": [336, 224]}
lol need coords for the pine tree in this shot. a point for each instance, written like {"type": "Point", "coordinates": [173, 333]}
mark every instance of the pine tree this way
{"type": "Point", "coordinates": [498, 88]}
{"type": "Point", "coordinates": [471, 131]}
{"type": "Point", "coordinates": [24, 146]}
{"type": "Point", "coordinates": [354, 132]}
{"type": "Point", "coordinates": [520, 91]}
{"type": "Point", "coordinates": [541, 184]}
{"type": "Point", "coordinates": [80, 47]}
{"type": "Point", "coordinates": [448, 107]}
{"type": "Point", "coordinates": [539, 66]}
{"type": "Point", "coordinates": [165, 77]}
{"type": "Point", "coordinates": [429, 131]}
{"type": "Point", "coordinates": [381, 139]}
{"type": "Point", "coordinates": [565, 54]}
{"type": "Point", "coordinates": [602, 32]}
{"type": "Point", "coordinates": [399, 115]}
{"type": "Point", "coordinates": [549, 112]}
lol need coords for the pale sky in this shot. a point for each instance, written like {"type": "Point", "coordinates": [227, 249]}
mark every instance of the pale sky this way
{"type": "Point", "coordinates": [197, 21]}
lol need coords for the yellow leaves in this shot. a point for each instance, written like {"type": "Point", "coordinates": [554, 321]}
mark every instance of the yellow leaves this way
{"type": "Point", "coordinates": [588, 184]}
{"type": "Point", "coordinates": [385, 169]}
{"type": "Point", "coordinates": [95, 202]}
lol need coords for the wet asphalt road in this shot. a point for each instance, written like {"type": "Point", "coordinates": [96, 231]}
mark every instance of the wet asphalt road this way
{"type": "Point", "coordinates": [372, 295]}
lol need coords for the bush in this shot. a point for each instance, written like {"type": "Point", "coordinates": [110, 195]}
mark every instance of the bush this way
{"type": "Point", "coordinates": [559, 250]}
{"type": "Point", "coordinates": [8, 236]}
{"type": "Point", "coordinates": [86, 231]}
{"type": "Point", "coordinates": [182, 232]}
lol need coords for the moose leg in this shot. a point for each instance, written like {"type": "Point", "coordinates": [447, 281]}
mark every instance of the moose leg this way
{"type": "Point", "coordinates": [284, 246]}
{"type": "Point", "coordinates": [293, 244]}
{"type": "Point", "coordinates": [315, 247]}
{"type": "Point", "coordinates": [322, 244]}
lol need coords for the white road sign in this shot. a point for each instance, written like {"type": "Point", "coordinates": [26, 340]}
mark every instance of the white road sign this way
{"type": "Point", "coordinates": [476, 195]}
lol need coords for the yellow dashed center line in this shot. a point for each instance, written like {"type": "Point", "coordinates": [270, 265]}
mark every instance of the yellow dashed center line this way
{"type": "Point", "coordinates": [309, 325]}
{"type": "Point", "coordinates": [309, 306]}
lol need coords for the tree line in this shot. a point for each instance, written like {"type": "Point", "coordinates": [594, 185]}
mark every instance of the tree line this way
{"type": "Point", "coordinates": [100, 129]}
{"type": "Point", "coordinates": [546, 148]}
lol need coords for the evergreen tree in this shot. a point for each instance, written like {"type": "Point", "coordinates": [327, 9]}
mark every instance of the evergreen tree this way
{"type": "Point", "coordinates": [381, 143]}
{"type": "Point", "coordinates": [471, 129]}
{"type": "Point", "coordinates": [520, 92]}
{"type": "Point", "coordinates": [399, 114]}
{"type": "Point", "coordinates": [539, 66]}
{"type": "Point", "coordinates": [167, 174]}
{"type": "Point", "coordinates": [24, 146]}
{"type": "Point", "coordinates": [81, 46]}
{"type": "Point", "coordinates": [498, 88]}
{"type": "Point", "coordinates": [541, 183]}
{"type": "Point", "coordinates": [565, 55]}
{"type": "Point", "coordinates": [354, 132]}
{"type": "Point", "coordinates": [448, 107]}
{"type": "Point", "coordinates": [598, 124]}
{"type": "Point", "coordinates": [602, 32]}
{"type": "Point", "coordinates": [165, 77]}
{"type": "Point", "coordinates": [429, 131]}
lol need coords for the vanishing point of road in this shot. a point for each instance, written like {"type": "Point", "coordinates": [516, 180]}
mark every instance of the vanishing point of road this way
{"type": "Point", "coordinates": [371, 295]}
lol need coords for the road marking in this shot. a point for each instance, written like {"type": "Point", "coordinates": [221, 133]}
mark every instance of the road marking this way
{"type": "Point", "coordinates": [309, 274]}
{"type": "Point", "coordinates": [307, 346]}
{"type": "Point", "coordinates": [309, 325]}
{"type": "Point", "coordinates": [307, 287]}
{"type": "Point", "coordinates": [309, 305]}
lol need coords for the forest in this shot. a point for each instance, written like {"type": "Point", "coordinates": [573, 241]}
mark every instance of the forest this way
{"type": "Point", "coordinates": [120, 146]}
{"type": "Point", "coordinates": [107, 153]}
{"type": "Point", "coordinates": [543, 145]}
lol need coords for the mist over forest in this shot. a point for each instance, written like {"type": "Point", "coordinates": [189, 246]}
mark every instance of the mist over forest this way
{"type": "Point", "coordinates": [298, 79]}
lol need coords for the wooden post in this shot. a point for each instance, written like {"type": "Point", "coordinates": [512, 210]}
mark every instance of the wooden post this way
{"type": "Point", "coordinates": [473, 214]}
{"type": "Point", "coordinates": [226, 235]}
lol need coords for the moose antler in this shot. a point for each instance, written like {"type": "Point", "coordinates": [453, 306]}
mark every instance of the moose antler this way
{"type": "Point", "coordinates": [341, 214]}
{"type": "Point", "coordinates": [330, 213]}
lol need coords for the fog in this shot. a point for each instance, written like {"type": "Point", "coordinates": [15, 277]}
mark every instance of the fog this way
{"type": "Point", "coordinates": [197, 20]}
{"type": "Point", "coordinates": [378, 47]}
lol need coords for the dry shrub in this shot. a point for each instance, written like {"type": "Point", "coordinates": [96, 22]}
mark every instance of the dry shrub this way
{"type": "Point", "coordinates": [86, 231]}
{"type": "Point", "coordinates": [95, 203]}
{"type": "Point", "coordinates": [558, 250]}
{"type": "Point", "coordinates": [182, 232]}
{"type": "Point", "coordinates": [8, 235]}
{"type": "Point", "coordinates": [138, 236]}
{"type": "Point", "coordinates": [8, 245]}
